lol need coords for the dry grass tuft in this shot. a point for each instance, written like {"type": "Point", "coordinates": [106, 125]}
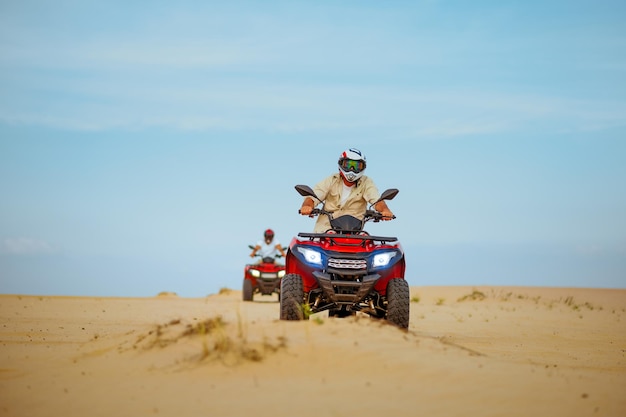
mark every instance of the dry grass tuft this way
{"type": "Point", "coordinates": [167, 294]}
{"type": "Point", "coordinates": [474, 296]}
{"type": "Point", "coordinates": [216, 342]}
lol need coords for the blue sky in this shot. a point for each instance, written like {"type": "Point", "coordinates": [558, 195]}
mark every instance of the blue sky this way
{"type": "Point", "coordinates": [144, 145]}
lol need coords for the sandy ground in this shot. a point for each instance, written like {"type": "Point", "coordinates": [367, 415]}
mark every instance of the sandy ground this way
{"type": "Point", "coordinates": [469, 351]}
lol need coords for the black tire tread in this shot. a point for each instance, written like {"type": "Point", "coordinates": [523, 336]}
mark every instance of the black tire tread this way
{"type": "Point", "coordinates": [247, 290]}
{"type": "Point", "coordinates": [398, 302]}
{"type": "Point", "coordinates": [291, 297]}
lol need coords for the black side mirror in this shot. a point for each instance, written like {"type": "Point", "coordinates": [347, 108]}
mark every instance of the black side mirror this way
{"type": "Point", "coordinates": [389, 194]}
{"type": "Point", "coordinates": [306, 191]}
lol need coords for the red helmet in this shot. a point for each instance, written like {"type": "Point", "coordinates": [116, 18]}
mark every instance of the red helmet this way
{"type": "Point", "coordinates": [269, 234]}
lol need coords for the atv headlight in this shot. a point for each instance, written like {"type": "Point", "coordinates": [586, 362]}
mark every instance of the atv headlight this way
{"type": "Point", "coordinates": [281, 273]}
{"type": "Point", "coordinates": [310, 255]}
{"type": "Point", "coordinates": [381, 260]}
{"type": "Point", "coordinates": [255, 272]}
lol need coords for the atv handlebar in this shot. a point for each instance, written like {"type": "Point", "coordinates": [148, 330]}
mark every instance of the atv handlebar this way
{"type": "Point", "coordinates": [278, 255]}
{"type": "Point", "coordinates": [349, 223]}
{"type": "Point", "coordinates": [375, 216]}
{"type": "Point", "coordinates": [317, 212]}
{"type": "Point", "coordinates": [372, 215]}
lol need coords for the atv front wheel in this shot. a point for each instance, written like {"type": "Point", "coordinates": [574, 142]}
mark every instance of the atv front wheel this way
{"type": "Point", "coordinates": [292, 298]}
{"type": "Point", "coordinates": [398, 302]}
{"type": "Point", "coordinates": [247, 290]}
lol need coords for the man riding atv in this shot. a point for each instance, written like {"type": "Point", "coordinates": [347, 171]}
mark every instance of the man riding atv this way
{"type": "Point", "coordinates": [346, 192]}
{"type": "Point", "coordinates": [268, 247]}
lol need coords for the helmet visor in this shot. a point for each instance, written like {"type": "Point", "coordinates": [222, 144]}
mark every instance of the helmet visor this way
{"type": "Point", "coordinates": [352, 165]}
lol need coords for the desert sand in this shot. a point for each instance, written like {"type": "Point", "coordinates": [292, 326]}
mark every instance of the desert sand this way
{"type": "Point", "coordinates": [469, 351]}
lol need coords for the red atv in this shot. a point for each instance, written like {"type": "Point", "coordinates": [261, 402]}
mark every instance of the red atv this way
{"type": "Point", "coordinates": [345, 270]}
{"type": "Point", "coordinates": [262, 278]}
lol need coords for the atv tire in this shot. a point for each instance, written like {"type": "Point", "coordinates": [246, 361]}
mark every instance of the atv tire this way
{"type": "Point", "coordinates": [292, 298]}
{"type": "Point", "coordinates": [398, 302]}
{"type": "Point", "coordinates": [247, 290]}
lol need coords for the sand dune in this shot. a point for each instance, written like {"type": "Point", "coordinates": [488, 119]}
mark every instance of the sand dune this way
{"type": "Point", "coordinates": [469, 351]}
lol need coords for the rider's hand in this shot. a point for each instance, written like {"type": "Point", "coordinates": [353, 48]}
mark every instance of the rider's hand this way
{"type": "Point", "coordinates": [387, 215]}
{"type": "Point", "coordinates": [306, 210]}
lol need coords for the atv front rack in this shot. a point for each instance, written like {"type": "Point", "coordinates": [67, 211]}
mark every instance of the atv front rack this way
{"type": "Point", "coordinates": [360, 238]}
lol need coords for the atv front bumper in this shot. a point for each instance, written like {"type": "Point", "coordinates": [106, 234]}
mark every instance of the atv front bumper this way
{"type": "Point", "coordinates": [345, 292]}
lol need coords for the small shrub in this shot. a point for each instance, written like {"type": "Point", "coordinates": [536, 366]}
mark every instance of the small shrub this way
{"type": "Point", "coordinates": [474, 296]}
{"type": "Point", "coordinates": [306, 311]}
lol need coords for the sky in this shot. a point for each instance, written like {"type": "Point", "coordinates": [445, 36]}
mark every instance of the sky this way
{"type": "Point", "coordinates": [145, 145]}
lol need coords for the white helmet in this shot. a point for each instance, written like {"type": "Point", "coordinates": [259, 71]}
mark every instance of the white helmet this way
{"type": "Point", "coordinates": [352, 164]}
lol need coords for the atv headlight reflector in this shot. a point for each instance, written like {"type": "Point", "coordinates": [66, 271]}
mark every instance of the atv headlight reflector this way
{"type": "Point", "coordinates": [255, 272]}
{"type": "Point", "coordinates": [281, 273]}
{"type": "Point", "coordinates": [382, 259]}
{"type": "Point", "coordinates": [310, 255]}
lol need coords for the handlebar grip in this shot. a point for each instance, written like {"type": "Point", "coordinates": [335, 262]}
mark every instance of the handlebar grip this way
{"type": "Point", "coordinates": [314, 212]}
{"type": "Point", "coordinates": [376, 215]}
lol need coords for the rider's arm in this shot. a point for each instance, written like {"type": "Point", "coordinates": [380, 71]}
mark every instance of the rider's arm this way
{"type": "Point", "coordinates": [382, 208]}
{"type": "Point", "coordinates": [307, 206]}
{"type": "Point", "coordinates": [256, 248]}
{"type": "Point", "coordinates": [280, 249]}
{"type": "Point", "coordinates": [321, 191]}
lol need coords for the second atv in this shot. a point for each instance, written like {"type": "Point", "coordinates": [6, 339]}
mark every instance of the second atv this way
{"type": "Point", "coordinates": [262, 278]}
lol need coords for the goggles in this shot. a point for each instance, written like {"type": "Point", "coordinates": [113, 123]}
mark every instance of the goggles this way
{"type": "Point", "coordinates": [352, 165]}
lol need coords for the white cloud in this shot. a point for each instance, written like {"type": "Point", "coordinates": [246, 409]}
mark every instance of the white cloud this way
{"type": "Point", "coordinates": [26, 246]}
{"type": "Point", "coordinates": [221, 67]}
{"type": "Point", "coordinates": [273, 105]}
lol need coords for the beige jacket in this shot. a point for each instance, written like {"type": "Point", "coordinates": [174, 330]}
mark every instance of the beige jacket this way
{"type": "Point", "coordinates": [329, 191]}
